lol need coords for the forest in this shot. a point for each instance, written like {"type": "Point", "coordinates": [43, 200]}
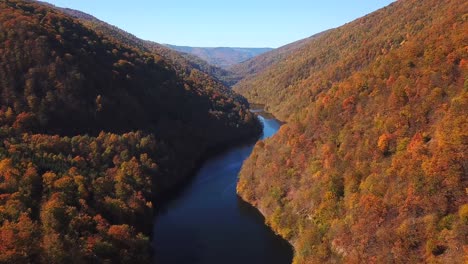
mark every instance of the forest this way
{"type": "Point", "coordinates": [372, 164]}
{"type": "Point", "coordinates": [92, 131]}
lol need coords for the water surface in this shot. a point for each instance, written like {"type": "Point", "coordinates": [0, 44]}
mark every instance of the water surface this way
{"type": "Point", "coordinates": [208, 223]}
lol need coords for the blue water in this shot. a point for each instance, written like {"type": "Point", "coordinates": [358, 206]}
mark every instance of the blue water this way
{"type": "Point", "coordinates": [208, 223]}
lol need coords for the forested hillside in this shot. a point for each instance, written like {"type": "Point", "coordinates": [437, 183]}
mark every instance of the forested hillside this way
{"type": "Point", "coordinates": [254, 66]}
{"type": "Point", "coordinates": [91, 131]}
{"type": "Point", "coordinates": [372, 165]}
{"type": "Point", "coordinates": [184, 63]}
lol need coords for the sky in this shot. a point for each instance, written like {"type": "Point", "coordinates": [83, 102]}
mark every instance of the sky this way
{"type": "Point", "coordinates": [225, 23]}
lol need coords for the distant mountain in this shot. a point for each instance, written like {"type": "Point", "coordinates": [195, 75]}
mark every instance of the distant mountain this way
{"type": "Point", "coordinates": [372, 164]}
{"type": "Point", "coordinates": [185, 59]}
{"type": "Point", "coordinates": [222, 57]}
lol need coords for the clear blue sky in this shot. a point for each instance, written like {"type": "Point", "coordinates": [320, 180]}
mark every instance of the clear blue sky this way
{"type": "Point", "coordinates": [227, 23]}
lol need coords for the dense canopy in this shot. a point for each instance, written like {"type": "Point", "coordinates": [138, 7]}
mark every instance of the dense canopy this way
{"type": "Point", "coordinates": [92, 130]}
{"type": "Point", "coordinates": [372, 164]}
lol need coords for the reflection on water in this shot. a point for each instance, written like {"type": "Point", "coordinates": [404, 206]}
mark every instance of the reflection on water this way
{"type": "Point", "coordinates": [209, 223]}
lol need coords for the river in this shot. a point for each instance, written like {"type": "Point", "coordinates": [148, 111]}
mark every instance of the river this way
{"type": "Point", "coordinates": [208, 223]}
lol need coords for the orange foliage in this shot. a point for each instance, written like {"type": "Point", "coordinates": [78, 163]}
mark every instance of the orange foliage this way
{"type": "Point", "coordinates": [381, 105]}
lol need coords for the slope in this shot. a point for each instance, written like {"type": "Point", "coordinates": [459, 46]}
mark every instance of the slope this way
{"type": "Point", "coordinates": [91, 131]}
{"type": "Point", "coordinates": [184, 63]}
{"type": "Point", "coordinates": [255, 65]}
{"type": "Point", "coordinates": [372, 165]}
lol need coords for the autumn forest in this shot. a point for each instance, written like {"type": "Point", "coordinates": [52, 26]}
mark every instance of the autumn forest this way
{"type": "Point", "coordinates": [98, 127]}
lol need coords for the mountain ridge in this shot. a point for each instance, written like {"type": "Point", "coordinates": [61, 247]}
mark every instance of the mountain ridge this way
{"type": "Point", "coordinates": [223, 57]}
{"type": "Point", "coordinates": [184, 62]}
{"type": "Point", "coordinates": [253, 66]}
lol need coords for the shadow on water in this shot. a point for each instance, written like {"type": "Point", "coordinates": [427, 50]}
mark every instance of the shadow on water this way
{"type": "Point", "coordinates": [208, 223]}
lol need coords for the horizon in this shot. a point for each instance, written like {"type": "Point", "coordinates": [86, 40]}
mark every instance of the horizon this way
{"type": "Point", "coordinates": [210, 24]}
{"type": "Point", "coordinates": [216, 47]}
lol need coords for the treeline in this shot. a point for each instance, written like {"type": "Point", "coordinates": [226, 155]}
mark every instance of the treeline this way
{"type": "Point", "coordinates": [91, 131]}
{"type": "Point", "coordinates": [372, 164]}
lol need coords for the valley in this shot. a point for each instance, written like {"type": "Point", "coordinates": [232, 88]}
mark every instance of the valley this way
{"type": "Point", "coordinates": [117, 149]}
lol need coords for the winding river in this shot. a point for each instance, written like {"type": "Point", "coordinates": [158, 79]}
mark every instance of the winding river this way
{"type": "Point", "coordinates": [208, 223]}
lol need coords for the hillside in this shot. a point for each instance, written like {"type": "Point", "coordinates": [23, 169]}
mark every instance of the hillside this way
{"type": "Point", "coordinates": [250, 68]}
{"type": "Point", "coordinates": [371, 166]}
{"type": "Point", "coordinates": [223, 57]}
{"type": "Point", "coordinates": [92, 130]}
{"type": "Point", "coordinates": [183, 63]}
